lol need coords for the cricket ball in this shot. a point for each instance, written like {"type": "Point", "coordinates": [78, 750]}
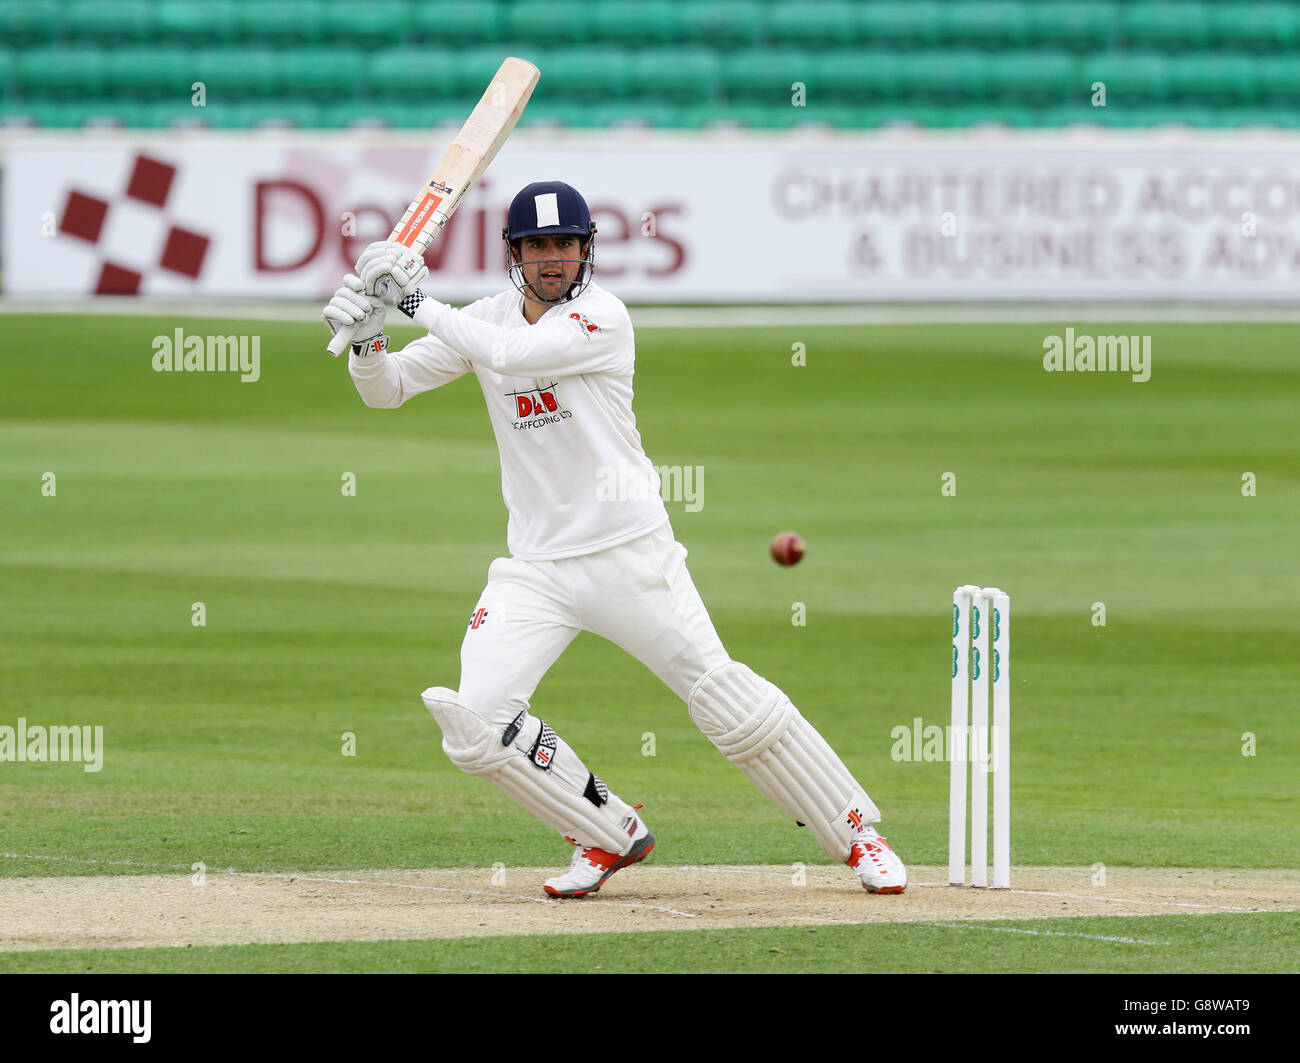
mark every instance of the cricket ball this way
{"type": "Point", "coordinates": [787, 548]}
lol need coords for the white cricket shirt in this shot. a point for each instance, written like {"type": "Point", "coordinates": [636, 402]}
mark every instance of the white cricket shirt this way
{"type": "Point", "coordinates": [573, 475]}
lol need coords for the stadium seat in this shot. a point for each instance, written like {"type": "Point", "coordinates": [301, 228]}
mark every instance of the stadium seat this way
{"type": "Point", "coordinates": [1169, 26]}
{"type": "Point", "coordinates": [760, 75]}
{"type": "Point", "coordinates": [1038, 78]}
{"type": "Point", "coordinates": [918, 24]}
{"type": "Point", "coordinates": [413, 72]}
{"type": "Point", "coordinates": [1131, 78]}
{"type": "Point", "coordinates": [28, 22]}
{"type": "Point", "coordinates": [150, 73]}
{"type": "Point", "coordinates": [1279, 79]}
{"type": "Point", "coordinates": [230, 75]}
{"type": "Point", "coordinates": [986, 25]}
{"type": "Point", "coordinates": [855, 76]}
{"type": "Point", "coordinates": [184, 22]}
{"type": "Point", "coordinates": [548, 22]}
{"type": "Point", "coordinates": [795, 23]}
{"type": "Point", "coordinates": [946, 76]}
{"type": "Point", "coordinates": [450, 22]}
{"type": "Point", "coordinates": [107, 21]}
{"type": "Point", "coordinates": [375, 24]}
{"type": "Point", "coordinates": [726, 25]}
{"type": "Point", "coordinates": [1258, 27]}
{"type": "Point", "coordinates": [321, 74]}
{"type": "Point", "coordinates": [584, 74]}
{"type": "Point", "coordinates": [61, 73]}
{"type": "Point", "coordinates": [677, 76]}
{"type": "Point", "coordinates": [1077, 25]}
{"type": "Point", "coordinates": [1218, 79]}
{"type": "Point", "coordinates": [281, 21]}
{"type": "Point", "coordinates": [634, 25]}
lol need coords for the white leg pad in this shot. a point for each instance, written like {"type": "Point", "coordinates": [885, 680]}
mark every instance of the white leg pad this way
{"type": "Point", "coordinates": [756, 727]}
{"type": "Point", "coordinates": [536, 769]}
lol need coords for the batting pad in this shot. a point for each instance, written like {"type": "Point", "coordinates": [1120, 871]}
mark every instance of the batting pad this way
{"type": "Point", "coordinates": [756, 727]}
{"type": "Point", "coordinates": [536, 769]}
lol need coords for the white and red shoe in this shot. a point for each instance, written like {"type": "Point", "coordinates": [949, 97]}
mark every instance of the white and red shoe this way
{"type": "Point", "coordinates": [877, 866]}
{"type": "Point", "coordinates": [591, 866]}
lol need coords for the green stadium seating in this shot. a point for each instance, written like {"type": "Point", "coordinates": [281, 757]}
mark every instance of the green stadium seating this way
{"type": "Point", "coordinates": [582, 75]}
{"type": "Point", "coordinates": [374, 24]}
{"type": "Point", "coordinates": [989, 24]}
{"type": "Point", "coordinates": [633, 25]}
{"type": "Point", "coordinates": [854, 76]}
{"type": "Point", "coordinates": [1040, 78]}
{"type": "Point", "coordinates": [412, 72]}
{"type": "Point", "coordinates": [321, 74]}
{"type": "Point", "coordinates": [679, 76]}
{"type": "Point", "coordinates": [231, 75]}
{"type": "Point", "coordinates": [150, 73]}
{"type": "Point", "coordinates": [863, 63]}
{"type": "Point", "coordinates": [61, 73]}
{"type": "Point", "coordinates": [948, 77]}
{"type": "Point", "coordinates": [548, 22]}
{"type": "Point", "coordinates": [107, 21]}
{"type": "Point", "coordinates": [726, 25]}
{"type": "Point", "coordinates": [759, 75]}
{"type": "Point", "coordinates": [796, 23]}
{"type": "Point", "coordinates": [915, 24]}
{"type": "Point", "coordinates": [449, 22]}
{"type": "Point", "coordinates": [1159, 24]}
{"type": "Point", "coordinates": [27, 22]}
{"type": "Point", "coordinates": [1220, 79]}
{"type": "Point", "coordinates": [1077, 25]}
{"type": "Point", "coordinates": [1131, 78]}
{"type": "Point", "coordinates": [1257, 27]}
{"type": "Point", "coordinates": [281, 21]}
{"type": "Point", "coordinates": [184, 22]}
{"type": "Point", "coordinates": [1279, 78]}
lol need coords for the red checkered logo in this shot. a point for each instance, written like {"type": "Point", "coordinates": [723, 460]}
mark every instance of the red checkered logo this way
{"type": "Point", "coordinates": [149, 183]}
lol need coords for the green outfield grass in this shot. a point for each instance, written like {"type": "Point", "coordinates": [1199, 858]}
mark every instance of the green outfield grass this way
{"type": "Point", "coordinates": [328, 614]}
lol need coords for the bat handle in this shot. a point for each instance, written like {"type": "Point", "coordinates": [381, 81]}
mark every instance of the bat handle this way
{"type": "Point", "coordinates": [341, 341]}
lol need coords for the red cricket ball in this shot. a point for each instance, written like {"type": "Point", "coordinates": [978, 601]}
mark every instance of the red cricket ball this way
{"type": "Point", "coordinates": [788, 548]}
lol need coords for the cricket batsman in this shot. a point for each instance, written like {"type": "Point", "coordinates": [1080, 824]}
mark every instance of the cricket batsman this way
{"type": "Point", "coordinates": [554, 355]}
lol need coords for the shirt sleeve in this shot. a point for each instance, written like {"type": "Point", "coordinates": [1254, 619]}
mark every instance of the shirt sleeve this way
{"type": "Point", "coordinates": [388, 379]}
{"type": "Point", "coordinates": [568, 344]}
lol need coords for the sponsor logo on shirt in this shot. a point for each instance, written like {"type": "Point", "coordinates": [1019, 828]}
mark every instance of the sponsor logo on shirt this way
{"type": "Point", "coordinates": [585, 323]}
{"type": "Point", "coordinates": [537, 408]}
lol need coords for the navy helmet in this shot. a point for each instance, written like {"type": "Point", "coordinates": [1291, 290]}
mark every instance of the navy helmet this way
{"type": "Point", "coordinates": [542, 208]}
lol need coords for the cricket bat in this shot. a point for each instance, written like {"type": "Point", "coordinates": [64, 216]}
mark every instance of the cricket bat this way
{"type": "Point", "coordinates": [473, 150]}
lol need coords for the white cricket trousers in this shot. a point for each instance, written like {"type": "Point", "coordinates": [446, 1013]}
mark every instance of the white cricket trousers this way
{"type": "Point", "coordinates": [638, 595]}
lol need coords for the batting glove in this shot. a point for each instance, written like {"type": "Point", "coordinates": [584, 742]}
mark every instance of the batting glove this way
{"type": "Point", "coordinates": [351, 307]}
{"type": "Point", "coordinates": [388, 266]}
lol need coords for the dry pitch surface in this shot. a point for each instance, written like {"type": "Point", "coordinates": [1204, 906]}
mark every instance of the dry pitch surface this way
{"type": "Point", "coordinates": [245, 908]}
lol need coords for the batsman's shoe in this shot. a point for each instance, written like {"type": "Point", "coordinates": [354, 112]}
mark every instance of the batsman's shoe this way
{"type": "Point", "coordinates": [877, 866]}
{"type": "Point", "coordinates": [591, 866]}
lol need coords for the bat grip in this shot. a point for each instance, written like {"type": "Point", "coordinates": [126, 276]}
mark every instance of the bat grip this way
{"type": "Point", "coordinates": [341, 340]}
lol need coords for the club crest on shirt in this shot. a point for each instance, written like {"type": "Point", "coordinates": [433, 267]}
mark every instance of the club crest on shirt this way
{"type": "Point", "coordinates": [537, 407]}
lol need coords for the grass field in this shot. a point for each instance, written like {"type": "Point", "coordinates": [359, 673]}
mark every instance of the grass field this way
{"type": "Point", "coordinates": [1166, 737]}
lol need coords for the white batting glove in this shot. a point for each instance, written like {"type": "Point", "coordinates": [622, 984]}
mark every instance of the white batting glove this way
{"type": "Point", "coordinates": [352, 307]}
{"type": "Point", "coordinates": [388, 266]}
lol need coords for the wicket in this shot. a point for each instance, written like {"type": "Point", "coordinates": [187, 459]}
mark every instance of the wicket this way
{"type": "Point", "coordinates": [974, 611]}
